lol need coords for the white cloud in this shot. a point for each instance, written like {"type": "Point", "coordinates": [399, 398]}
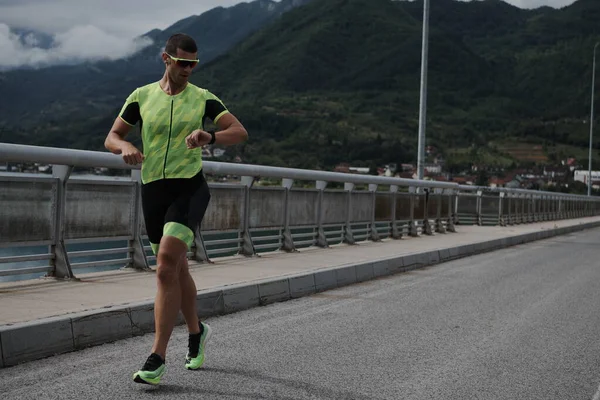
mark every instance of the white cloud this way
{"type": "Point", "coordinates": [127, 18]}
{"type": "Point", "coordinates": [80, 43]}
{"type": "Point", "coordinates": [87, 29]}
{"type": "Point", "coordinates": [540, 3]}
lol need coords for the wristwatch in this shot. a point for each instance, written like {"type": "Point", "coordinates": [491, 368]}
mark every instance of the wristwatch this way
{"type": "Point", "coordinates": [213, 137]}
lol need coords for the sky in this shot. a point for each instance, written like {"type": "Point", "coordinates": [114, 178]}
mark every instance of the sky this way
{"type": "Point", "coordinates": [95, 29]}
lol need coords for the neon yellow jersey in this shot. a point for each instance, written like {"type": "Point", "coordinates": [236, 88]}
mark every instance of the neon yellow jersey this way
{"type": "Point", "coordinates": [165, 122]}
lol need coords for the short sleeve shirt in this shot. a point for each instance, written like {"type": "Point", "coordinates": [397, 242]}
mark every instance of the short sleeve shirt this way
{"type": "Point", "coordinates": [165, 122]}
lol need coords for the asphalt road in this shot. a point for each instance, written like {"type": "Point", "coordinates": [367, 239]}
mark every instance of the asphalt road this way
{"type": "Point", "coordinates": [521, 323]}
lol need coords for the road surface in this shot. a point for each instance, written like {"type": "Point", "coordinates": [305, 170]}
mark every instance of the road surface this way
{"type": "Point", "coordinates": [520, 323]}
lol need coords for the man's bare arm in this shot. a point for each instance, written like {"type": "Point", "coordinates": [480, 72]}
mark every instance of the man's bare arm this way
{"type": "Point", "coordinates": [115, 143]}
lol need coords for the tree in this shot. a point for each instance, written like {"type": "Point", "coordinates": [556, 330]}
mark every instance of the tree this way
{"type": "Point", "coordinates": [482, 178]}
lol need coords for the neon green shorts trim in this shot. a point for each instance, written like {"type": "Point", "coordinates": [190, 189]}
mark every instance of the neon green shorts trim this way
{"type": "Point", "coordinates": [177, 230]}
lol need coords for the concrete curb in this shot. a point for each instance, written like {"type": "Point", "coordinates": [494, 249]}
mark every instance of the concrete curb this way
{"type": "Point", "coordinates": [51, 336]}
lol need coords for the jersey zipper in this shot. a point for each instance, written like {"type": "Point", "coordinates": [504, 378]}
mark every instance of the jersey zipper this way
{"type": "Point", "coordinates": [168, 142]}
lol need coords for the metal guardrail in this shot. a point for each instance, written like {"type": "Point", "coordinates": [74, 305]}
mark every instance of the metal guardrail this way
{"type": "Point", "coordinates": [67, 218]}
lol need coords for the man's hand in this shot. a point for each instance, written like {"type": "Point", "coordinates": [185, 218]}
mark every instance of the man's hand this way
{"type": "Point", "coordinates": [197, 138]}
{"type": "Point", "coordinates": [131, 155]}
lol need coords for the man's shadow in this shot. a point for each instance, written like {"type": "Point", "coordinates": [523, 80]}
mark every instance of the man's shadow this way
{"type": "Point", "coordinates": [258, 377]}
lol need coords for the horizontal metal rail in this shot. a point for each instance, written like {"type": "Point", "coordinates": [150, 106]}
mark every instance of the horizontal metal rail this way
{"type": "Point", "coordinates": [91, 253]}
{"type": "Point", "coordinates": [35, 257]}
{"type": "Point", "coordinates": [276, 219]}
{"type": "Point", "coordinates": [104, 263]}
{"type": "Point", "coordinates": [25, 271]}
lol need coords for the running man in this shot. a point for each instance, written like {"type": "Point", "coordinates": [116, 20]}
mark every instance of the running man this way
{"type": "Point", "coordinates": [175, 195]}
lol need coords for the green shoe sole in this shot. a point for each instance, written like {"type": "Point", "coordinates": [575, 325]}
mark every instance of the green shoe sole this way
{"type": "Point", "coordinates": [198, 362]}
{"type": "Point", "coordinates": [139, 377]}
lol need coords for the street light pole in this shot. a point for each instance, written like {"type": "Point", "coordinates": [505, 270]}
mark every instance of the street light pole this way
{"type": "Point", "coordinates": [592, 122]}
{"type": "Point", "coordinates": [423, 106]}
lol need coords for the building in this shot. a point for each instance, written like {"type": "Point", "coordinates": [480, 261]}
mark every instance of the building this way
{"type": "Point", "coordinates": [582, 176]}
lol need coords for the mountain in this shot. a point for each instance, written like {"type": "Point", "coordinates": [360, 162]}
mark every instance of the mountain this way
{"type": "Point", "coordinates": [345, 73]}
{"type": "Point", "coordinates": [67, 95]}
{"type": "Point", "coordinates": [338, 81]}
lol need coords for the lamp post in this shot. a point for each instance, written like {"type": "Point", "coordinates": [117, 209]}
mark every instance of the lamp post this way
{"type": "Point", "coordinates": [423, 106]}
{"type": "Point", "coordinates": [592, 122]}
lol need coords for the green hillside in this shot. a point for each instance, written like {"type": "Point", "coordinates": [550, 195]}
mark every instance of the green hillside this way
{"type": "Point", "coordinates": [338, 81]}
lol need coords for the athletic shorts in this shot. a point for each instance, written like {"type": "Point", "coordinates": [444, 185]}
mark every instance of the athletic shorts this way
{"type": "Point", "coordinates": [174, 207]}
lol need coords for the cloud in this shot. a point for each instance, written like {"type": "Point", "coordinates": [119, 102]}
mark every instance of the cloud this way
{"type": "Point", "coordinates": [540, 3]}
{"type": "Point", "coordinates": [126, 18]}
{"type": "Point", "coordinates": [78, 44]}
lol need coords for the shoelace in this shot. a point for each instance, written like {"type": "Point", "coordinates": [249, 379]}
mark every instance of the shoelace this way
{"type": "Point", "coordinates": [193, 345]}
{"type": "Point", "coordinates": [152, 363]}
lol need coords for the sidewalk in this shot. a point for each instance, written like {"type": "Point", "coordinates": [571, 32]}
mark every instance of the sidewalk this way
{"type": "Point", "coordinates": [42, 317]}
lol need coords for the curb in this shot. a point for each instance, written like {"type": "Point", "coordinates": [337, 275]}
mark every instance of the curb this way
{"type": "Point", "coordinates": [46, 337]}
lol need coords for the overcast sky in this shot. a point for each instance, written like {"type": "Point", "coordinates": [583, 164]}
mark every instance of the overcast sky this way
{"type": "Point", "coordinates": [94, 29]}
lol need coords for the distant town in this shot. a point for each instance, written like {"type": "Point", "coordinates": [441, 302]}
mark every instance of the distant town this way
{"type": "Point", "coordinates": [558, 176]}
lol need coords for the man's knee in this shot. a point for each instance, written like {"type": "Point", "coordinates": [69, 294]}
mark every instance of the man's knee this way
{"type": "Point", "coordinates": [170, 259]}
{"type": "Point", "coordinates": [167, 273]}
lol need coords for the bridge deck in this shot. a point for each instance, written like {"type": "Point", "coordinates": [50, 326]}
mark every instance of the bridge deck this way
{"type": "Point", "coordinates": [41, 298]}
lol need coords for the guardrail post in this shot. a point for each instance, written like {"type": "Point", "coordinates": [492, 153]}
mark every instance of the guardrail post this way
{"type": "Point", "coordinates": [374, 235]}
{"type": "Point", "coordinates": [395, 233]}
{"type": "Point", "coordinates": [288, 241]}
{"type": "Point", "coordinates": [501, 219]}
{"type": "Point", "coordinates": [439, 225]}
{"type": "Point", "coordinates": [509, 208]}
{"type": "Point", "coordinates": [455, 195]}
{"type": "Point", "coordinates": [560, 208]}
{"type": "Point", "coordinates": [522, 207]}
{"type": "Point", "coordinates": [412, 230]}
{"type": "Point", "coordinates": [247, 245]}
{"type": "Point", "coordinates": [450, 217]}
{"type": "Point", "coordinates": [348, 236]}
{"type": "Point", "coordinates": [61, 264]}
{"type": "Point", "coordinates": [478, 211]}
{"type": "Point", "coordinates": [321, 238]}
{"type": "Point", "coordinates": [571, 208]}
{"type": "Point", "coordinates": [426, 225]}
{"type": "Point", "coordinates": [531, 208]}
{"type": "Point", "coordinates": [138, 255]}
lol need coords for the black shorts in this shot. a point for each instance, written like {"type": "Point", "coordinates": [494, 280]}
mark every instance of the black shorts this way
{"type": "Point", "coordinates": [174, 207]}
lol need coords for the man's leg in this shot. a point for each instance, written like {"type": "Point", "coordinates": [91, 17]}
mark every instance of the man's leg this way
{"type": "Point", "coordinates": [188, 299]}
{"type": "Point", "coordinates": [199, 333]}
{"type": "Point", "coordinates": [170, 261]}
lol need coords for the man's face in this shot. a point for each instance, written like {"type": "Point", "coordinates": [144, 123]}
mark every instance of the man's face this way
{"type": "Point", "coordinates": [180, 65]}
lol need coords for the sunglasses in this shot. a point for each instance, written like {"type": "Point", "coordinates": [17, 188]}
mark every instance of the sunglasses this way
{"type": "Point", "coordinates": [182, 62]}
